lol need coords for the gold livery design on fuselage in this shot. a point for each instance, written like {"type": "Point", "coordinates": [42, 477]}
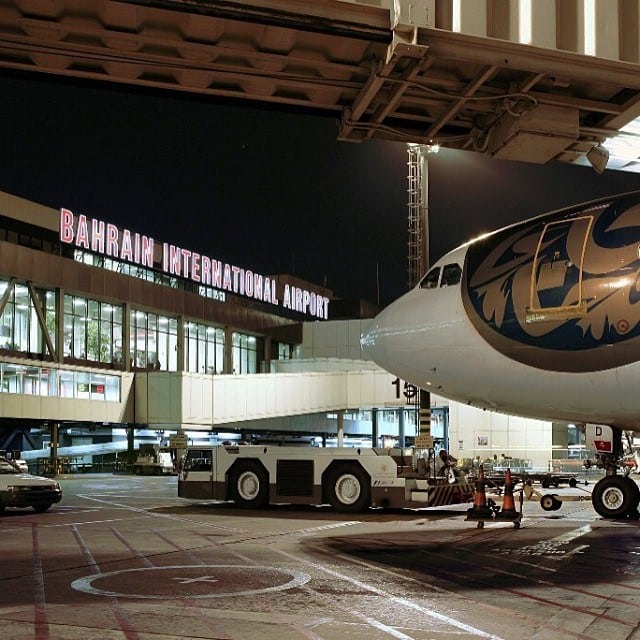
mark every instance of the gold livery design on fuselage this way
{"type": "Point", "coordinates": [566, 283]}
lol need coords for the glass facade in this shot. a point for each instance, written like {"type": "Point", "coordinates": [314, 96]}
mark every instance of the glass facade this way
{"type": "Point", "coordinates": [62, 383]}
{"type": "Point", "coordinates": [119, 266]}
{"type": "Point", "coordinates": [244, 353]}
{"type": "Point", "coordinates": [203, 348]}
{"type": "Point", "coordinates": [20, 329]}
{"type": "Point", "coordinates": [154, 341]}
{"type": "Point", "coordinates": [92, 330]}
{"type": "Point", "coordinates": [143, 273]}
{"type": "Point", "coordinates": [284, 351]}
{"type": "Point", "coordinates": [94, 333]}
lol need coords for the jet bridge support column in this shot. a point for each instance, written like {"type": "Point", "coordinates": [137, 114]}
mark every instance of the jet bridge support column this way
{"type": "Point", "coordinates": [374, 427]}
{"type": "Point", "coordinates": [424, 439]}
{"type": "Point", "coordinates": [53, 456]}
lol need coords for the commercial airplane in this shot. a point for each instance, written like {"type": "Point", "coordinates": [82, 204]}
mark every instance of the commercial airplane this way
{"type": "Point", "coordinates": [539, 319]}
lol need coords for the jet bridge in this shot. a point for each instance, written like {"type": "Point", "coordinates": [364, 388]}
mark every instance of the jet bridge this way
{"type": "Point", "coordinates": [529, 81]}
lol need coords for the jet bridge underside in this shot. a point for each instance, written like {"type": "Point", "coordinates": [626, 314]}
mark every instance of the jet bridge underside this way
{"type": "Point", "coordinates": [398, 70]}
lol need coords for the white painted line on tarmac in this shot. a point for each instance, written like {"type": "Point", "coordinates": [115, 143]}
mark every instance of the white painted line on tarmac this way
{"type": "Point", "coordinates": [84, 522]}
{"type": "Point", "coordinates": [298, 578]}
{"type": "Point", "coordinates": [387, 629]}
{"type": "Point", "coordinates": [390, 597]}
{"type": "Point", "coordinates": [39, 602]}
{"type": "Point", "coordinates": [553, 547]}
{"type": "Point", "coordinates": [289, 533]}
{"type": "Point", "coordinates": [119, 612]}
{"type": "Point", "coordinates": [166, 516]}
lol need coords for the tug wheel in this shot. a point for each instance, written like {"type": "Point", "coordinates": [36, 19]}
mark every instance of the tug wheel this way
{"type": "Point", "coordinates": [349, 488]}
{"type": "Point", "coordinates": [249, 485]}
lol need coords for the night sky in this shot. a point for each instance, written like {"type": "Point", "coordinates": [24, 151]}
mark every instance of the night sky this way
{"type": "Point", "coordinates": [272, 191]}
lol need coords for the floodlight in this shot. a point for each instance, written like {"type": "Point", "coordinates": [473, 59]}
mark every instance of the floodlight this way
{"type": "Point", "coordinates": [598, 157]}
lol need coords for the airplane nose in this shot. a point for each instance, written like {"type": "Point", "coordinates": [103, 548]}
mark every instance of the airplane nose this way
{"type": "Point", "coordinates": [373, 341]}
{"type": "Point", "coordinates": [387, 339]}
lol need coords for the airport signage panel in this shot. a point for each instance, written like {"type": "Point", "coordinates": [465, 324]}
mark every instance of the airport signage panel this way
{"type": "Point", "coordinates": [121, 244]}
{"type": "Point", "coordinates": [423, 441]}
{"type": "Point", "coordinates": [178, 441]}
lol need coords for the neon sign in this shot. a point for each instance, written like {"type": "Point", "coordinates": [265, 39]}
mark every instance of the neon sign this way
{"type": "Point", "coordinates": [107, 239]}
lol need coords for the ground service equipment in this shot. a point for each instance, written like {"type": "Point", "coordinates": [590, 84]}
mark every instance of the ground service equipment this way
{"type": "Point", "coordinates": [153, 461]}
{"type": "Point", "coordinates": [349, 479]}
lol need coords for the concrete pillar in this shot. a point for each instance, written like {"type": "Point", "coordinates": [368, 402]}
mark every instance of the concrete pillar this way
{"type": "Point", "coordinates": [374, 427]}
{"type": "Point", "coordinates": [267, 354]}
{"type": "Point", "coordinates": [131, 443]}
{"type": "Point", "coordinates": [228, 350]}
{"type": "Point", "coordinates": [180, 344]}
{"type": "Point", "coordinates": [445, 429]}
{"type": "Point", "coordinates": [629, 26]}
{"type": "Point", "coordinates": [570, 26]}
{"type": "Point", "coordinates": [503, 20]}
{"type": "Point", "coordinates": [340, 442]}
{"type": "Point", "coordinates": [424, 439]}
{"type": "Point", "coordinates": [607, 25]}
{"type": "Point", "coordinates": [472, 18]}
{"type": "Point", "coordinates": [126, 336]}
{"type": "Point", "coordinates": [543, 24]}
{"type": "Point", "coordinates": [53, 457]}
{"type": "Point", "coordinates": [59, 337]}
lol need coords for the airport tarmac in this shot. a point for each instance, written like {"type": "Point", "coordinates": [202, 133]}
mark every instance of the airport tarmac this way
{"type": "Point", "coordinates": [122, 557]}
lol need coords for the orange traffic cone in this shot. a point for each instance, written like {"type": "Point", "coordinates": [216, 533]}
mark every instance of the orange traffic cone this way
{"type": "Point", "coordinates": [508, 511]}
{"type": "Point", "coordinates": [480, 509]}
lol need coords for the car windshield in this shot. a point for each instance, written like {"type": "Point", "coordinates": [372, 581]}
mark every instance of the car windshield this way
{"type": "Point", "coordinates": [8, 467]}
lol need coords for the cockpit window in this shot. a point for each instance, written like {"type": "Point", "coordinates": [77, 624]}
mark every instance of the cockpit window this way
{"type": "Point", "coordinates": [451, 274]}
{"type": "Point", "coordinates": [430, 281]}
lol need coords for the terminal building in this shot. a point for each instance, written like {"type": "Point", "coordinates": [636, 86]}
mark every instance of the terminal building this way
{"type": "Point", "coordinates": [110, 338]}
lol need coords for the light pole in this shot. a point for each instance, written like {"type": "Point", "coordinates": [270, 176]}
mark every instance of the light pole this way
{"type": "Point", "coordinates": [418, 242]}
{"type": "Point", "coordinates": [418, 204]}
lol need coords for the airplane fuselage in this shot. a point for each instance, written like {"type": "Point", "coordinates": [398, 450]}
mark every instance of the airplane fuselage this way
{"type": "Point", "coordinates": [540, 319]}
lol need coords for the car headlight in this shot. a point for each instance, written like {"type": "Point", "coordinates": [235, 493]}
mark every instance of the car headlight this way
{"type": "Point", "coordinates": [15, 488]}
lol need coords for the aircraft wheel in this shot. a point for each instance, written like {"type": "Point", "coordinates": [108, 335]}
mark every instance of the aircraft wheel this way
{"type": "Point", "coordinates": [250, 485]}
{"type": "Point", "coordinates": [633, 512]}
{"type": "Point", "coordinates": [550, 503]}
{"type": "Point", "coordinates": [615, 497]}
{"type": "Point", "coordinates": [349, 488]}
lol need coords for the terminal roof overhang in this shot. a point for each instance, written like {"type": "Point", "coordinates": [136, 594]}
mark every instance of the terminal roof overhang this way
{"type": "Point", "coordinates": [422, 85]}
